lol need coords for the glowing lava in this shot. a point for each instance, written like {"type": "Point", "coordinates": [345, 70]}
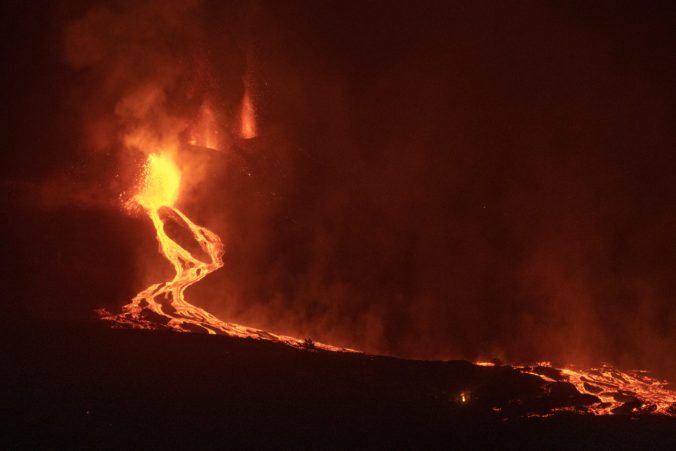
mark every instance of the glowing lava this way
{"type": "Point", "coordinates": [631, 391]}
{"type": "Point", "coordinates": [163, 305]}
{"type": "Point", "coordinates": [160, 184]}
{"type": "Point", "coordinates": [619, 392]}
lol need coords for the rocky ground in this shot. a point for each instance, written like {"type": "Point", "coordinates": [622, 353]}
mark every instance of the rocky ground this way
{"type": "Point", "coordinates": [82, 385]}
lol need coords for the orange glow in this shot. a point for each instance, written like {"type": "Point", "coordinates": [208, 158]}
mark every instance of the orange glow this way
{"type": "Point", "coordinates": [632, 391]}
{"type": "Point", "coordinates": [159, 190]}
{"type": "Point", "coordinates": [160, 183]}
{"type": "Point", "coordinates": [247, 117]}
{"type": "Point", "coordinates": [204, 132]}
{"type": "Point", "coordinates": [164, 303]}
{"type": "Point", "coordinates": [617, 387]}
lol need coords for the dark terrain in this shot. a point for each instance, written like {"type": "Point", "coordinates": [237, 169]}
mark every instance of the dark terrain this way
{"type": "Point", "coordinates": [82, 385]}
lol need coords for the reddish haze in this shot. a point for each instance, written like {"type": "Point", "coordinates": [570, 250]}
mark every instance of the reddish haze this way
{"type": "Point", "coordinates": [448, 182]}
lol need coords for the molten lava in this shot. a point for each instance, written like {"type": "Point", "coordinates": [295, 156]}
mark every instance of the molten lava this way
{"type": "Point", "coordinates": [631, 391]}
{"type": "Point", "coordinates": [163, 305]}
{"type": "Point", "coordinates": [160, 184]}
{"type": "Point", "coordinates": [197, 252]}
{"type": "Point", "coordinates": [618, 392]}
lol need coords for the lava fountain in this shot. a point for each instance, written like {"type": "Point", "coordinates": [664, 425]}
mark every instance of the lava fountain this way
{"type": "Point", "coordinates": [163, 305]}
{"type": "Point", "coordinates": [167, 299]}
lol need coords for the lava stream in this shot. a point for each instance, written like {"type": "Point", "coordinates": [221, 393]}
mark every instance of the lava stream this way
{"type": "Point", "coordinates": [618, 392]}
{"type": "Point", "coordinates": [163, 305]}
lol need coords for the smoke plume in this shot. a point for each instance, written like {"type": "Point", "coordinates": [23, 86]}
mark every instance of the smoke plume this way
{"type": "Point", "coordinates": [448, 181]}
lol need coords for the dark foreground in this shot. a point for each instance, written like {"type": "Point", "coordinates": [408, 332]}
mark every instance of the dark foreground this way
{"type": "Point", "coordinates": [81, 385]}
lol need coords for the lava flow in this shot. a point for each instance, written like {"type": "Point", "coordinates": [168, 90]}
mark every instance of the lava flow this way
{"type": "Point", "coordinates": [163, 305]}
{"type": "Point", "coordinates": [616, 391]}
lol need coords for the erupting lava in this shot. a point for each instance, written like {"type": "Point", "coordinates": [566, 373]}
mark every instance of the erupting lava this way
{"type": "Point", "coordinates": [163, 305]}
{"type": "Point", "coordinates": [160, 191]}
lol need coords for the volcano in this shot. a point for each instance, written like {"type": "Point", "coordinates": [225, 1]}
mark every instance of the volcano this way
{"type": "Point", "coordinates": [485, 390]}
{"type": "Point", "coordinates": [195, 251]}
{"type": "Point", "coordinates": [333, 224]}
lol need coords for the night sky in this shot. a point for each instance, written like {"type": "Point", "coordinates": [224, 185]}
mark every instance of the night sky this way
{"type": "Point", "coordinates": [432, 180]}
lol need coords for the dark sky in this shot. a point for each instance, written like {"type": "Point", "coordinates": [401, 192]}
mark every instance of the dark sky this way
{"type": "Point", "coordinates": [431, 180]}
